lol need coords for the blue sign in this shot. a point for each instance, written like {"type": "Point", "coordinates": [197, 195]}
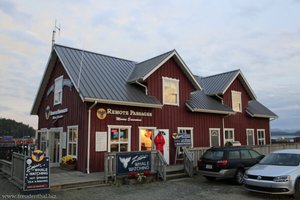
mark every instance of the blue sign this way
{"type": "Point", "coordinates": [133, 161]}
{"type": "Point", "coordinates": [37, 173]}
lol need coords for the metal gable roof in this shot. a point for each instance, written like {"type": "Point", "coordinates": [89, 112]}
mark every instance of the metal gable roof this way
{"type": "Point", "coordinates": [256, 109]}
{"type": "Point", "coordinates": [219, 83]}
{"type": "Point", "coordinates": [102, 78]}
{"type": "Point", "coordinates": [143, 68]}
{"type": "Point", "coordinates": [200, 102]}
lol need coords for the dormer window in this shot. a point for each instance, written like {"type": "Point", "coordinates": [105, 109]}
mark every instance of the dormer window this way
{"type": "Point", "coordinates": [236, 101]}
{"type": "Point", "coordinates": [170, 91]}
{"type": "Point", "coordinates": [58, 88]}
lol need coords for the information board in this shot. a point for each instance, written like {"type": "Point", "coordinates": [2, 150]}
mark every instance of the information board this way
{"type": "Point", "coordinates": [101, 141]}
{"type": "Point", "coordinates": [133, 161]}
{"type": "Point", "coordinates": [36, 172]}
{"type": "Point", "coordinates": [182, 139]}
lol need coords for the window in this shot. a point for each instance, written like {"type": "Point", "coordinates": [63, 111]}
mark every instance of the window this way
{"type": "Point", "coordinates": [43, 141]}
{"type": "Point", "coordinates": [233, 155]}
{"type": "Point", "coordinates": [58, 86]}
{"type": "Point", "coordinates": [119, 138]}
{"type": "Point", "coordinates": [170, 91]}
{"type": "Point", "coordinates": [228, 135]}
{"type": "Point", "coordinates": [245, 154]}
{"type": "Point", "coordinates": [250, 136]}
{"type": "Point", "coordinates": [72, 141]}
{"type": "Point", "coordinates": [261, 140]}
{"type": "Point", "coordinates": [236, 101]}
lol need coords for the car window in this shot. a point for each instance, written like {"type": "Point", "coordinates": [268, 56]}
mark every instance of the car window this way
{"type": "Point", "coordinates": [283, 159]}
{"type": "Point", "coordinates": [213, 155]}
{"type": "Point", "coordinates": [254, 154]}
{"type": "Point", "coordinates": [245, 154]}
{"type": "Point", "coordinates": [234, 154]}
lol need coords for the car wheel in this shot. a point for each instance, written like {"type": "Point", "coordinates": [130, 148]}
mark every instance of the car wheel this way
{"type": "Point", "coordinates": [297, 189]}
{"type": "Point", "coordinates": [210, 178]}
{"type": "Point", "coordinates": [239, 177]}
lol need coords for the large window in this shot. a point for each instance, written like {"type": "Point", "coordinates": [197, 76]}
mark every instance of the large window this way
{"type": "Point", "coordinates": [170, 91]}
{"type": "Point", "coordinates": [146, 138]}
{"type": "Point", "coordinates": [236, 101]}
{"type": "Point", "coordinates": [228, 135]}
{"type": "Point", "coordinates": [58, 88]}
{"type": "Point", "coordinates": [261, 139]}
{"type": "Point", "coordinates": [72, 141]}
{"type": "Point", "coordinates": [119, 138]}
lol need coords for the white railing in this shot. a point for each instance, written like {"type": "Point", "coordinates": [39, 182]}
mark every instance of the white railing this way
{"type": "Point", "coordinates": [188, 162]}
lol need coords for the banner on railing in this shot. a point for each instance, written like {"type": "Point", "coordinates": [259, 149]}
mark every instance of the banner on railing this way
{"type": "Point", "coordinates": [132, 161]}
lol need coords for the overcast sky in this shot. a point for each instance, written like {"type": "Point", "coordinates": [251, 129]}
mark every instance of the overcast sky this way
{"type": "Point", "coordinates": [262, 38]}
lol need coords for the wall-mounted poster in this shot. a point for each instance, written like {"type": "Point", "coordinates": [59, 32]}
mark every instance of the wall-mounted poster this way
{"type": "Point", "coordinates": [101, 141]}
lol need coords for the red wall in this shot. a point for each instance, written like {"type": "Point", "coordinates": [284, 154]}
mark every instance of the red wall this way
{"type": "Point", "coordinates": [242, 121]}
{"type": "Point", "coordinates": [76, 115]}
{"type": "Point", "coordinates": [169, 117]}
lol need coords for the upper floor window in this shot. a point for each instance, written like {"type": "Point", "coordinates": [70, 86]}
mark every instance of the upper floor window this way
{"type": "Point", "coordinates": [170, 91]}
{"type": "Point", "coordinates": [58, 88]}
{"type": "Point", "coordinates": [236, 101]}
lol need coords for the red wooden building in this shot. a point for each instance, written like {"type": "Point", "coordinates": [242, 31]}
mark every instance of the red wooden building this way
{"type": "Point", "coordinates": [90, 103]}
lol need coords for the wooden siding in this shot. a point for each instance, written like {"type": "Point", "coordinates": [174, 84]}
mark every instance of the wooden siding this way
{"type": "Point", "coordinates": [76, 115]}
{"type": "Point", "coordinates": [242, 121]}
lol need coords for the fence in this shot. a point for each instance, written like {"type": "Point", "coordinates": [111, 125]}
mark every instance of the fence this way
{"type": "Point", "coordinates": [197, 152]}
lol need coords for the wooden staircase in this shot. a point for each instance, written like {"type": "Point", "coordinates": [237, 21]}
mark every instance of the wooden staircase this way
{"type": "Point", "coordinates": [176, 172]}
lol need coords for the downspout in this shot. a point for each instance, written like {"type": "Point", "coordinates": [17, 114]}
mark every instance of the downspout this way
{"type": "Point", "coordinates": [89, 138]}
{"type": "Point", "coordinates": [223, 121]}
{"type": "Point", "coordinates": [146, 89]}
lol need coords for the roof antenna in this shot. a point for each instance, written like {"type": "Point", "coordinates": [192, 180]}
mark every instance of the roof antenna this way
{"type": "Point", "coordinates": [56, 27]}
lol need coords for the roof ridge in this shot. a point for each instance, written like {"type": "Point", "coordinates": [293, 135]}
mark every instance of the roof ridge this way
{"type": "Point", "coordinates": [156, 56]}
{"type": "Point", "coordinates": [94, 53]}
{"type": "Point", "coordinates": [204, 77]}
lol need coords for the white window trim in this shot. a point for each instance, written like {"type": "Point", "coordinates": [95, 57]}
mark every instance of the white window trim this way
{"type": "Point", "coordinates": [263, 130]}
{"type": "Point", "coordinates": [60, 90]}
{"type": "Point", "coordinates": [120, 127]}
{"type": "Point", "coordinates": [227, 129]}
{"type": "Point", "coordinates": [214, 129]}
{"type": "Point", "coordinates": [192, 133]}
{"type": "Point", "coordinates": [145, 127]}
{"type": "Point", "coordinates": [163, 86]}
{"type": "Point", "coordinates": [250, 129]}
{"type": "Point", "coordinates": [240, 94]}
{"type": "Point", "coordinates": [70, 127]}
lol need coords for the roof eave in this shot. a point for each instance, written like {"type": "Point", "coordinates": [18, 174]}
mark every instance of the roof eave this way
{"type": "Point", "coordinates": [262, 116]}
{"type": "Point", "coordinates": [124, 103]}
{"type": "Point", "coordinates": [174, 53]}
{"type": "Point", "coordinates": [210, 111]}
{"type": "Point", "coordinates": [43, 83]}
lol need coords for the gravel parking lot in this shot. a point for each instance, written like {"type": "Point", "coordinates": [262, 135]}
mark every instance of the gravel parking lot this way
{"type": "Point", "coordinates": [188, 188]}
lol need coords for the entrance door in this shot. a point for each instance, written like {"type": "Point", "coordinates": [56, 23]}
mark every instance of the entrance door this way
{"type": "Point", "coordinates": [214, 137]}
{"type": "Point", "coordinates": [55, 149]}
{"type": "Point", "coordinates": [166, 147]}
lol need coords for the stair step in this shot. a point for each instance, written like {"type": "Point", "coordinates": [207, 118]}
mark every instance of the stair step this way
{"type": "Point", "coordinates": [176, 176]}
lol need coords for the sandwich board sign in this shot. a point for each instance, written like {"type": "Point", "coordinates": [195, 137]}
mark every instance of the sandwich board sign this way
{"type": "Point", "coordinates": [36, 173]}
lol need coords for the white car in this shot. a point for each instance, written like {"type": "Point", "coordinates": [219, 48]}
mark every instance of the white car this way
{"type": "Point", "coordinates": [277, 173]}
